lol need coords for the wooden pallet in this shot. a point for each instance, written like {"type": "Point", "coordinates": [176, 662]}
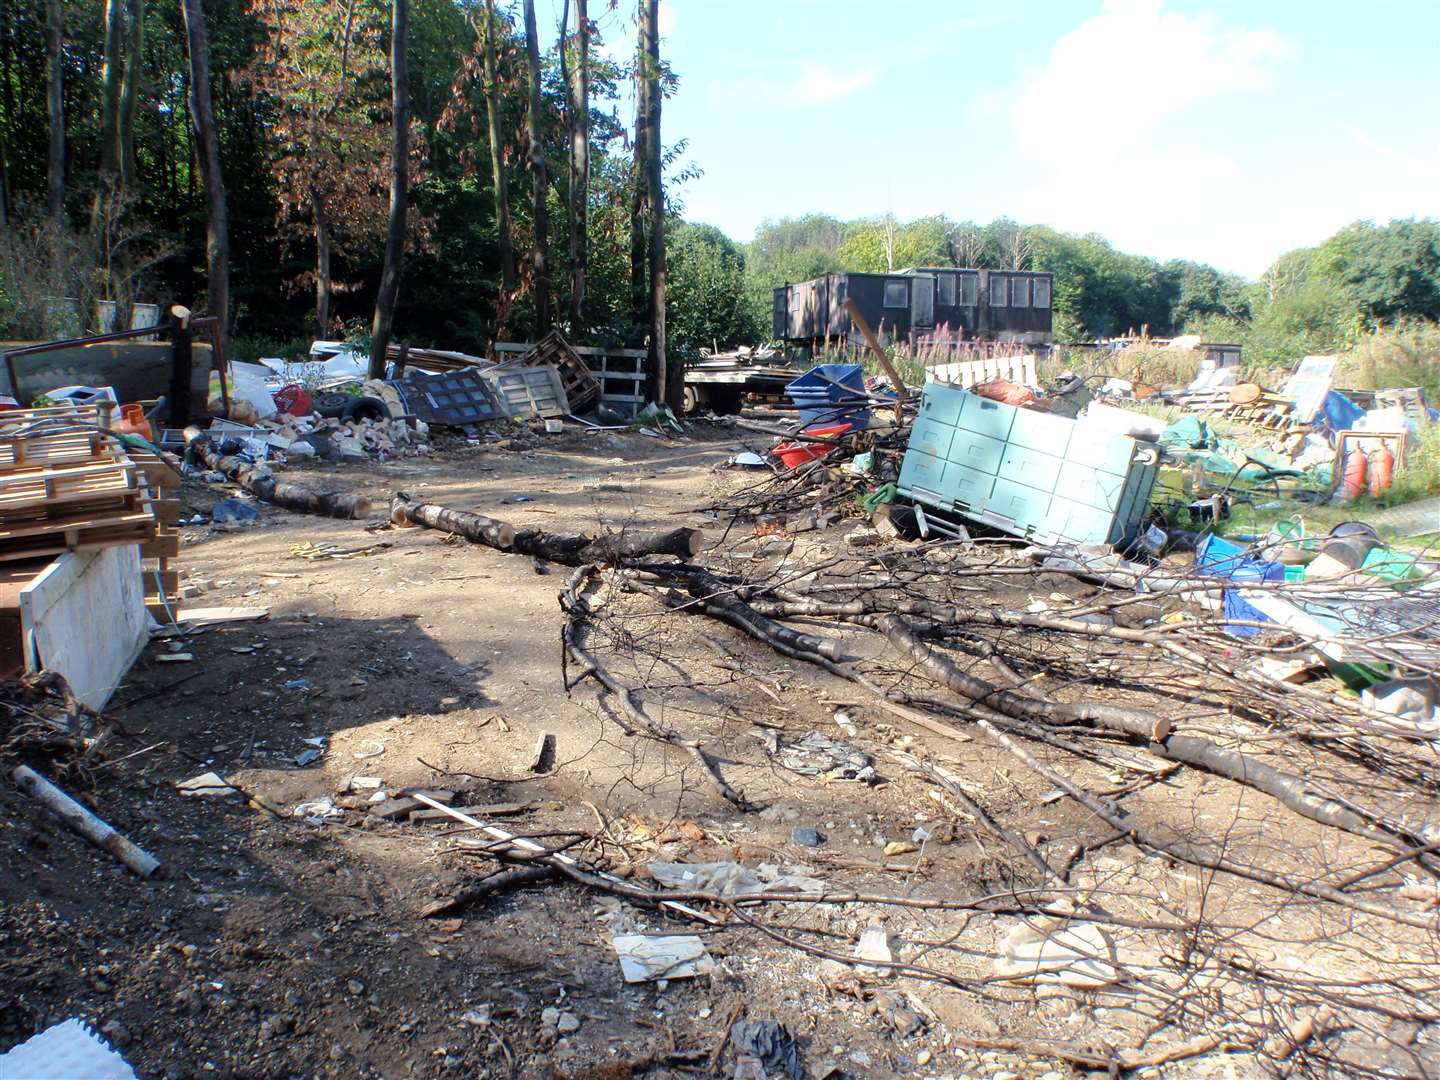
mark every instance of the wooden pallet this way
{"type": "Point", "coordinates": [162, 583]}
{"type": "Point", "coordinates": [28, 493]}
{"type": "Point", "coordinates": [52, 448]}
{"type": "Point", "coordinates": [582, 388]}
{"type": "Point", "coordinates": [65, 486]}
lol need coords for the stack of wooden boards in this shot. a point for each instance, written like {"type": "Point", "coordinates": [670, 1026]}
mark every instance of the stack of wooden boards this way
{"type": "Point", "coordinates": [67, 486]}
{"type": "Point", "coordinates": [1246, 403]}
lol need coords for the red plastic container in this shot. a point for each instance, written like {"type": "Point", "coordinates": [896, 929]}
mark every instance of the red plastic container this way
{"type": "Point", "coordinates": [793, 455]}
{"type": "Point", "coordinates": [294, 400]}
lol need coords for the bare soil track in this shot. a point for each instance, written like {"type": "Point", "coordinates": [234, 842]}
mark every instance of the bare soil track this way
{"type": "Point", "coordinates": [277, 947]}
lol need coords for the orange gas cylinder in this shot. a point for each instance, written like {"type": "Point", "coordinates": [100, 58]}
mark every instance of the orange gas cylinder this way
{"type": "Point", "coordinates": [1382, 469]}
{"type": "Point", "coordinates": [1352, 481]}
{"type": "Point", "coordinates": [132, 422]}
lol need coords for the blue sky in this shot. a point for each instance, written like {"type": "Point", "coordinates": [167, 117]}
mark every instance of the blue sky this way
{"type": "Point", "coordinates": [1220, 130]}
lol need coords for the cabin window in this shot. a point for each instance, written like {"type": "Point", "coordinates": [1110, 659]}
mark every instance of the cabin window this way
{"type": "Point", "coordinates": [1019, 292]}
{"type": "Point", "coordinates": [969, 290]}
{"type": "Point", "coordinates": [946, 296]}
{"type": "Point", "coordinates": [997, 290]}
{"type": "Point", "coordinates": [896, 295]}
{"type": "Point", "coordinates": [1042, 292]}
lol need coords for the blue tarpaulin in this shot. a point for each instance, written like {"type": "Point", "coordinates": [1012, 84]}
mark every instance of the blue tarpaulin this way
{"type": "Point", "coordinates": [1337, 413]}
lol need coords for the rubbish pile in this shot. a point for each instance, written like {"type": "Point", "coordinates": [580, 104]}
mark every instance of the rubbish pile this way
{"type": "Point", "coordinates": [1074, 464]}
{"type": "Point", "coordinates": [328, 408]}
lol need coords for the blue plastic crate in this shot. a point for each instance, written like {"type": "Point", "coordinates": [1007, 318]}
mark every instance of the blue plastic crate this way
{"type": "Point", "coordinates": [831, 394]}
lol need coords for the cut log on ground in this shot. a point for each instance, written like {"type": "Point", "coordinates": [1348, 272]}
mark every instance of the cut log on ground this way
{"type": "Point", "coordinates": [477, 527]}
{"type": "Point", "coordinates": [611, 548]}
{"type": "Point", "coordinates": [259, 481]}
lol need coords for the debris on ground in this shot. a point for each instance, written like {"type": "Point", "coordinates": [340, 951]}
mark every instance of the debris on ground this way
{"type": "Point", "coordinates": [1139, 753]}
{"type": "Point", "coordinates": [644, 958]}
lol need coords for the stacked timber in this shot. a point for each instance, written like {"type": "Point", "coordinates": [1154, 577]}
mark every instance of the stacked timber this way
{"type": "Point", "coordinates": [65, 485]}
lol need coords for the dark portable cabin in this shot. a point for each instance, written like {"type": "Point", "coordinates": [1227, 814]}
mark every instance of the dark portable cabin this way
{"type": "Point", "coordinates": [988, 305]}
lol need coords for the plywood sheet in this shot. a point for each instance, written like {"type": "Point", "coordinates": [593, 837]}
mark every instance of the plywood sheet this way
{"type": "Point", "coordinates": [85, 618]}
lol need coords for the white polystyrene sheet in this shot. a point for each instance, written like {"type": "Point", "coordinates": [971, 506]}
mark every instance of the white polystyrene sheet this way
{"type": "Point", "coordinates": [67, 1051]}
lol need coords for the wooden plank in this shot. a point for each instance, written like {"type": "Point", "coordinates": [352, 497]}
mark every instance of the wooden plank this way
{"type": "Point", "coordinates": [166, 511]}
{"type": "Point", "coordinates": [156, 581]}
{"type": "Point", "coordinates": [164, 545]}
{"type": "Point", "coordinates": [90, 526]}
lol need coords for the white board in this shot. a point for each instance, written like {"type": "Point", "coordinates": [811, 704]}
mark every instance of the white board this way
{"type": "Point", "coordinates": [85, 619]}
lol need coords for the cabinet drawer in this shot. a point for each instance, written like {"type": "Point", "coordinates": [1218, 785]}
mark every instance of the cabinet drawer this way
{"type": "Point", "coordinates": [986, 417]}
{"type": "Point", "coordinates": [1030, 467]}
{"type": "Point", "coordinates": [931, 437]}
{"type": "Point", "coordinates": [942, 403]}
{"type": "Point", "coordinates": [1111, 453]}
{"type": "Point", "coordinates": [1080, 523]}
{"type": "Point", "coordinates": [1027, 507]}
{"type": "Point", "coordinates": [922, 476]}
{"type": "Point", "coordinates": [969, 486]}
{"type": "Point", "coordinates": [1083, 484]}
{"type": "Point", "coordinates": [976, 451]}
{"type": "Point", "coordinates": [1041, 431]}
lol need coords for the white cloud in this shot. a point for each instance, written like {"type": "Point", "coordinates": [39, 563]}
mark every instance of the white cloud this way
{"type": "Point", "coordinates": [818, 86]}
{"type": "Point", "coordinates": [1130, 68]}
{"type": "Point", "coordinates": [666, 19]}
{"type": "Point", "coordinates": [1109, 120]}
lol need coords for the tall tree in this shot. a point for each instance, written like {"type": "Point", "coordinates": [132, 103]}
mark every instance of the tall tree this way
{"type": "Point", "coordinates": [7, 100]}
{"type": "Point", "coordinates": [498, 172]}
{"type": "Point", "coordinates": [670, 374]}
{"type": "Point", "coordinates": [55, 103]}
{"type": "Point", "coordinates": [577, 86]}
{"type": "Point", "coordinates": [130, 90]}
{"type": "Point", "coordinates": [202, 114]}
{"type": "Point", "coordinates": [540, 217]}
{"type": "Point", "coordinates": [639, 295]}
{"type": "Point", "coordinates": [112, 63]}
{"type": "Point", "coordinates": [329, 155]}
{"type": "Point", "coordinates": [399, 189]}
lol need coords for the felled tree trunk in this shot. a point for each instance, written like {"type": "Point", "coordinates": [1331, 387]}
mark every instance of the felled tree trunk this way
{"type": "Point", "coordinates": [262, 483]}
{"type": "Point", "coordinates": [571, 550]}
{"type": "Point", "coordinates": [477, 527]}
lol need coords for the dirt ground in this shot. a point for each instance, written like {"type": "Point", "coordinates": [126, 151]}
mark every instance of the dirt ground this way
{"type": "Point", "coordinates": [277, 945]}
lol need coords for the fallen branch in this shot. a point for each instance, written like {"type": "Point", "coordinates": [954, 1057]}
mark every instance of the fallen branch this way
{"type": "Point", "coordinates": [488, 886]}
{"type": "Point", "coordinates": [1289, 789]}
{"type": "Point", "coordinates": [978, 812]}
{"type": "Point", "coordinates": [1189, 853]}
{"type": "Point", "coordinates": [259, 481]}
{"type": "Point", "coordinates": [577, 612]}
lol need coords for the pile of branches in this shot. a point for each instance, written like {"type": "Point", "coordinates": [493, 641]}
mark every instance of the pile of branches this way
{"type": "Point", "coordinates": [1103, 681]}
{"type": "Point", "coordinates": [816, 492]}
{"type": "Point", "coordinates": [1141, 684]}
{"type": "Point", "coordinates": [42, 723]}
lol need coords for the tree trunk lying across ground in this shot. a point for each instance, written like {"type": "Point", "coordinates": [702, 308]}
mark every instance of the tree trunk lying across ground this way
{"type": "Point", "coordinates": [261, 482]}
{"type": "Point", "coordinates": [572, 550]}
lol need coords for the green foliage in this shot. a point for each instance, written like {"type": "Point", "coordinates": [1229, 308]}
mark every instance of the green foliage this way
{"type": "Point", "coordinates": [1406, 354]}
{"type": "Point", "coordinates": [250, 349]}
{"type": "Point", "coordinates": [1384, 272]}
{"type": "Point", "coordinates": [705, 290]}
{"type": "Point", "coordinates": [880, 245]}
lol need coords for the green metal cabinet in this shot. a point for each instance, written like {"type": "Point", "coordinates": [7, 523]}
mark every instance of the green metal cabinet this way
{"type": "Point", "coordinates": [1028, 473]}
